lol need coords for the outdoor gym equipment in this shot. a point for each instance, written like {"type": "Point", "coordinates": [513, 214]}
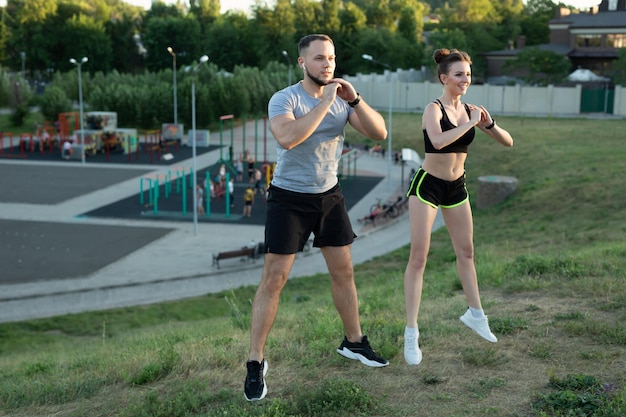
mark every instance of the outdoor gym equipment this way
{"type": "Point", "coordinates": [177, 175]}
{"type": "Point", "coordinates": [232, 136]}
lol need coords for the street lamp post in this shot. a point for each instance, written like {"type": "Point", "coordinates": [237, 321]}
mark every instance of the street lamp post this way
{"type": "Point", "coordinates": [23, 56]}
{"type": "Point", "coordinates": [288, 64]}
{"type": "Point", "coordinates": [173, 54]}
{"type": "Point", "coordinates": [203, 59]}
{"type": "Point", "coordinates": [389, 131]}
{"type": "Point", "coordinates": [80, 104]}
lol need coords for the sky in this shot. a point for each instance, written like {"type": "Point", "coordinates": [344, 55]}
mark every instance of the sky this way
{"type": "Point", "coordinates": [244, 5]}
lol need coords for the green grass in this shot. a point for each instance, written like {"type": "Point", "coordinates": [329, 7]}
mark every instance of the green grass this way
{"type": "Point", "coordinates": [550, 262]}
{"type": "Point", "coordinates": [29, 126]}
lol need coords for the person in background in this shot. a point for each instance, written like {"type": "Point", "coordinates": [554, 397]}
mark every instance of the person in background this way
{"type": "Point", "coordinates": [211, 189]}
{"type": "Point", "coordinates": [258, 182]}
{"type": "Point", "coordinates": [250, 163]}
{"type": "Point", "coordinates": [231, 191]}
{"type": "Point", "coordinates": [248, 201]}
{"type": "Point", "coordinates": [449, 126]}
{"type": "Point", "coordinates": [239, 169]}
{"type": "Point", "coordinates": [308, 120]}
{"type": "Point", "coordinates": [67, 149]}
{"type": "Point", "coordinates": [222, 175]}
{"type": "Point", "coordinates": [200, 198]}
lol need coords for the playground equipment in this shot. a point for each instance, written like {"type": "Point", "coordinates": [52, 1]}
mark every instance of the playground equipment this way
{"type": "Point", "coordinates": [9, 154]}
{"type": "Point", "coordinates": [156, 189]}
{"type": "Point", "coordinates": [153, 188]}
{"type": "Point", "coordinates": [347, 164]}
{"type": "Point", "coordinates": [177, 175]}
{"type": "Point", "coordinates": [68, 123]}
{"type": "Point", "coordinates": [100, 135]}
{"type": "Point", "coordinates": [172, 132]}
{"type": "Point", "coordinates": [232, 137]}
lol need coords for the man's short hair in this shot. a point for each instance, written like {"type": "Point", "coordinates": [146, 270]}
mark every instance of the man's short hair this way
{"type": "Point", "coordinates": [306, 41]}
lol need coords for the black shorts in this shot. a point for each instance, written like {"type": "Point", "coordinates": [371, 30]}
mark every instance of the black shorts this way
{"type": "Point", "coordinates": [437, 192]}
{"type": "Point", "coordinates": [291, 218]}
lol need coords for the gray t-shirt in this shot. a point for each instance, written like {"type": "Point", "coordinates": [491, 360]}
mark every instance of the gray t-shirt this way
{"type": "Point", "coordinates": [311, 167]}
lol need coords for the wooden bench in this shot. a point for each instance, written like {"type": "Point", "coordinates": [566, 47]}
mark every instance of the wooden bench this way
{"type": "Point", "coordinates": [245, 252]}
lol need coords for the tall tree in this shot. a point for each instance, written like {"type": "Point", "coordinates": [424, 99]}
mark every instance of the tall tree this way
{"type": "Point", "coordinates": [534, 23]}
{"type": "Point", "coordinates": [206, 11]}
{"type": "Point", "coordinates": [331, 23]}
{"type": "Point", "coordinates": [36, 11]}
{"type": "Point", "coordinates": [126, 57]}
{"type": "Point", "coordinates": [230, 41]}
{"type": "Point", "coordinates": [183, 34]}
{"type": "Point", "coordinates": [90, 40]}
{"type": "Point", "coordinates": [5, 35]}
{"type": "Point", "coordinates": [352, 18]}
{"type": "Point", "coordinates": [307, 18]}
{"type": "Point", "coordinates": [411, 21]}
{"type": "Point", "coordinates": [508, 25]}
{"type": "Point", "coordinates": [378, 13]}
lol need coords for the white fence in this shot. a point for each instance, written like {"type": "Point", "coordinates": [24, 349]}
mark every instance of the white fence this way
{"type": "Point", "coordinates": [381, 90]}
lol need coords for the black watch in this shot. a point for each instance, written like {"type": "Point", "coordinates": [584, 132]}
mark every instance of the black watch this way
{"type": "Point", "coordinates": [356, 101]}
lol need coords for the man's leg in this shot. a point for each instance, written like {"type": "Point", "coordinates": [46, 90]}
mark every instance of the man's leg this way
{"type": "Point", "coordinates": [339, 262]}
{"type": "Point", "coordinates": [264, 310]}
{"type": "Point", "coordinates": [355, 345]}
{"type": "Point", "coordinates": [265, 305]}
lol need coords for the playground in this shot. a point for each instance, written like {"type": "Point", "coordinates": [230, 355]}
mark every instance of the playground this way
{"type": "Point", "coordinates": [229, 159]}
{"type": "Point", "coordinates": [74, 197]}
{"type": "Point", "coordinates": [68, 244]}
{"type": "Point", "coordinates": [173, 207]}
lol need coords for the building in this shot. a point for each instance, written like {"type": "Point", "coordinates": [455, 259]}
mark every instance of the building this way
{"type": "Point", "coordinates": [590, 39]}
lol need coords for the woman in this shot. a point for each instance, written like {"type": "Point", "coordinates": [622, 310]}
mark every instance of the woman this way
{"type": "Point", "coordinates": [449, 128]}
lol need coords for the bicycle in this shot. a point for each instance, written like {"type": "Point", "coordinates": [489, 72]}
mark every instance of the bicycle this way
{"type": "Point", "coordinates": [396, 208]}
{"type": "Point", "coordinates": [377, 210]}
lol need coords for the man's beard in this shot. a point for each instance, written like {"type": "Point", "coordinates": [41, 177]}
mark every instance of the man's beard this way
{"type": "Point", "coordinates": [316, 80]}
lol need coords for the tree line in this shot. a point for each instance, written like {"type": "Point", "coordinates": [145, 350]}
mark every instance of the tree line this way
{"type": "Point", "coordinates": [130, 70]}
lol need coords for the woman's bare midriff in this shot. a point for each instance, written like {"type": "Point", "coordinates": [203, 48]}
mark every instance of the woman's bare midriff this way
{"type": "Point", "coordinates": [446, 166]}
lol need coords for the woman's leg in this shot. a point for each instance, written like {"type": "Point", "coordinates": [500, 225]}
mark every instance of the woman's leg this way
{"type": "Point", "coordinates": [460, 227]}
{"type": "Point", "coordinates": [421, 219]}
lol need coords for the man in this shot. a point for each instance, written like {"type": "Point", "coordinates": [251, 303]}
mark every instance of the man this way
{"type": "Point", "coordinates": [308, 120]}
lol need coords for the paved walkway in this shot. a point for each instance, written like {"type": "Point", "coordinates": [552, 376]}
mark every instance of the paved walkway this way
{"type": "Point", "coordinates": [178, 263]}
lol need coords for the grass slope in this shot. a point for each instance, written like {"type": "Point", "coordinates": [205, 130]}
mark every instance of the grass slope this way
{"type": "Point", "coordinates": [550, 262]}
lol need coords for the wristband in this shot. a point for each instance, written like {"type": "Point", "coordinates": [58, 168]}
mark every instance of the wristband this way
{"type": "Point", "coordinates": [356, 101]}
{"type": "Point", "coordinates": [493, 123]}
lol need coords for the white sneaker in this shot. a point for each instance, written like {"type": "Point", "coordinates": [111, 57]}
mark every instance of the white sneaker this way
{"type": "Point", "coordinates": [412, 352]}
{"type": "Point", "coordinates": [479, 325]}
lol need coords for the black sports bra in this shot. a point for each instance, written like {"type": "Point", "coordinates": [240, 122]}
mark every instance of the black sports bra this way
{"type": "Point", "coordinates": [460, 145]}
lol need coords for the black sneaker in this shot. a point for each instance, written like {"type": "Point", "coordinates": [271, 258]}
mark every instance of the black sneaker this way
{"type": "Point", "coordinates": [361, 351]}
{"type": "Point", "coordinates": [254, 388]}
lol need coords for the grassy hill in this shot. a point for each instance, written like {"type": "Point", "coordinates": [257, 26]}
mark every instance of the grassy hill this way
{"type": "Point", "coordinates": [551, 268]}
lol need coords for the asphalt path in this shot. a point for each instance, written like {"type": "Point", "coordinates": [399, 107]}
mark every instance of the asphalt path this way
{"type": "Point", "coordinates": [76, 237]}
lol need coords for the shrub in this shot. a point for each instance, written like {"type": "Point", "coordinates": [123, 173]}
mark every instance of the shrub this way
{"type": "Point", "coordinates": [54, 101]}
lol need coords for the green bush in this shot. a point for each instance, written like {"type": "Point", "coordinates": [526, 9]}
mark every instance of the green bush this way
{"type": "Point", "coordinates": [145, 100]}
{"type": "Point", "coordinates": [19, 115]}
{"type": "Point", "coordinates": [54, 101]}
